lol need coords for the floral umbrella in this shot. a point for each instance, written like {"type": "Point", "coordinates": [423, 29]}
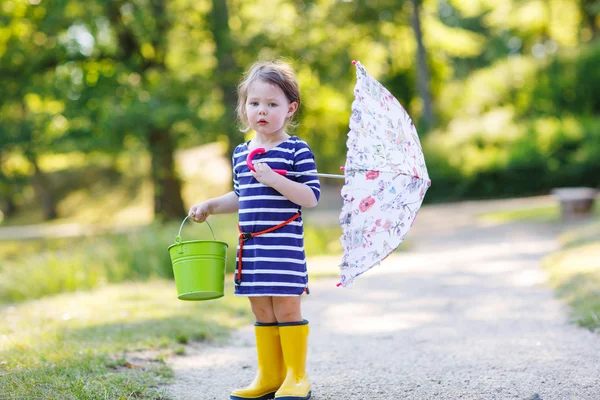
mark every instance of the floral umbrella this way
{"type": "Point", "coordinates": [386, 178]}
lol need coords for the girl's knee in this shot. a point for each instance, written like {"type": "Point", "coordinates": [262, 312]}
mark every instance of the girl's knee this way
{"type": "Point", "coordinates": [262, 308]}
{"type": "Point", "coordinates": [287, 309]}
{"type": "Point", "coordinates": [264, 316]}
{"type": "Point", "coordinates": [288, 316]}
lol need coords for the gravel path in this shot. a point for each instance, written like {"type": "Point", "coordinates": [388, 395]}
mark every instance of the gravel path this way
{"type": "Point", "coordinates": [465, 314]}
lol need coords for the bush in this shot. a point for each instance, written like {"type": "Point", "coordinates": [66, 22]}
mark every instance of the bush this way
{"type": "Point", "coordinates": [519, 127]}
{"type": "Point", "coordinates": [570, 84]}
{"type": "Point", "coordinates": [477, 159]}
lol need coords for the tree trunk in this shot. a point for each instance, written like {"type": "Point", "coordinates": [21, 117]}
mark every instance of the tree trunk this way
{"type": "Point", "coordinates": [423, 77]}
{"type": "Point", "coordinates": [588, 15]}
{"type": "Point", "coordinates": [10, 207]}
{"type": "Point", "coordinates": [7, 201]}
{"type": "Point", "coordinates": [228, 70]}
{"type": "Point", "coordinates": [42, 190]}
{"type": "Point", "coordinates": [168, 203]}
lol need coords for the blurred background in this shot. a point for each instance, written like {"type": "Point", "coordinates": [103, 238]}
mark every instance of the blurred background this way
{"type": "Point", "coordinates": [120, 114]}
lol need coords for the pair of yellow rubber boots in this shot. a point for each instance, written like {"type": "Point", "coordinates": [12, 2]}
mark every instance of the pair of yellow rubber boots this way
{"type": "Point", "coordinates": [281, 371]}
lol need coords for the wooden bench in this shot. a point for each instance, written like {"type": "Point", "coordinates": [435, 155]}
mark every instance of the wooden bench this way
{"type": "Point", "coordinates": [575, 202]}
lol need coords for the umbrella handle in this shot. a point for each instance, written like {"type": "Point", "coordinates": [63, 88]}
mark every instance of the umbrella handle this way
{"type": "Point", "coordinates": [261, 150]}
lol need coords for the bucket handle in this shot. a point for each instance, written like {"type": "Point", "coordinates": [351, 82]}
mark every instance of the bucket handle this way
{"type": "Point", "coordinates": [178, 237]}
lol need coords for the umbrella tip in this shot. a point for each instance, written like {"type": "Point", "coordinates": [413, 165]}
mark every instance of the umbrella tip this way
{"type": "Point", "coordinates": [339, 284]}
{"type": "Point", "coordinates": [353, 62]}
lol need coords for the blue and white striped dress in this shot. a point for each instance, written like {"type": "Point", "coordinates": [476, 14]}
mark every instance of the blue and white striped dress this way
{"type": "Point", "coordinates": [273, 264]}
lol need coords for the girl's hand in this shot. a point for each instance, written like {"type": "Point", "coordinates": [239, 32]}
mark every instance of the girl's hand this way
{"type": "Point", "coordinates": [200, 212]}
{"type": "Point", "coordinates": [265, 175]}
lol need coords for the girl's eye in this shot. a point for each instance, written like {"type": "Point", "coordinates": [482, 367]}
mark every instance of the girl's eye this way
{"type": "Point", "coordinates": [253, 103]}
{"type": "Point", "coordinates": [272, 104]}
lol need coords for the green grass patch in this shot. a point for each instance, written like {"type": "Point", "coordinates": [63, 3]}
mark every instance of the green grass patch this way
{"type": "Point", "coordinates": [41, 267]}
{"type": "Point", "coordinates": [587, 233]}
{"type": "Point", "coordinates": [36, 268]}
{"type": "Point", "coordinates": [549, 213]}
{"type": "Point", "coordinates": [575, 274]}
{"type": "Point", "coordinates": [322, 240]}
{"type": "Point", "coordinates": [109, 343]}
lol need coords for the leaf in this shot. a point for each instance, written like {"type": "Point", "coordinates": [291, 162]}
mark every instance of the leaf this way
{"type": "Point", "coordinates": [134, 366]}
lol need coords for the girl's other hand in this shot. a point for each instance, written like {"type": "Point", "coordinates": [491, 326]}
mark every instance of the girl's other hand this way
{"type": "Point", "coordinates": [265, 175]}
{"type": "Point", "coordinates": [199, 212]}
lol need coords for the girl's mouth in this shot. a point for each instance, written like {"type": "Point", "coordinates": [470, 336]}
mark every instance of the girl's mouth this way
{"type": "Point", "coordinates": [262, 122]}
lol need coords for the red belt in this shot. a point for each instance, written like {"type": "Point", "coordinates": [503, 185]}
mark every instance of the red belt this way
{"type": "Point", "coordinates": [244, 237]}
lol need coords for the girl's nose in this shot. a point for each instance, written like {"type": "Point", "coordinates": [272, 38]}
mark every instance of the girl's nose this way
{"type": "Point", "coordinates": [262, 111]}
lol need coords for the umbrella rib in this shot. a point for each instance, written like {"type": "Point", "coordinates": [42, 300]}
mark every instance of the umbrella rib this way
{"type": "Point", "coordinates": [344, 176]}
{"type": "Point", "coordinates": [316, 174]}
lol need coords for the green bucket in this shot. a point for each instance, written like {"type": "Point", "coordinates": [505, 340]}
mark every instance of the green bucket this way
{"type": "Point", "coordinates": [199, 267]}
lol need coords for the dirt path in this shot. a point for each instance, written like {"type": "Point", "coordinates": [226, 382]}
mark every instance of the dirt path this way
{"type": "Point", "coordinates": [465, 314]}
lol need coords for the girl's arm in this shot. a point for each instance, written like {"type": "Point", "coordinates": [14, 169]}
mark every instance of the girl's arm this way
{"type": "Point", "coordinates": [226, 204]}
{"type": "Point", "coordinates": [296, 192]}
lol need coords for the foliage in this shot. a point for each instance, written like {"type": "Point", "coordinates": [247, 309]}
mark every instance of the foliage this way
{"type": "Point", "coordinates": [570, 84]}
{"type": "Point", "coordinates": [107, 76]}
{"type": "Point", "coordinates": [531, 121]}
{"type": "Point", "coordinates": [496, 157]}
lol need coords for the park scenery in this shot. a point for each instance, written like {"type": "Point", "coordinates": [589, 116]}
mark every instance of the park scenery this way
{"type": "Point", "coordinates": [117, 116]}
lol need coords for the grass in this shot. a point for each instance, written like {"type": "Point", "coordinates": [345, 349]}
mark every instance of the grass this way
{"type": "Point", "coordinates": [538, 214]}
{"type": "Point", "coordinates": [40, 267]}
{"type": "Point", "coordinates": [575, 274]}
{"type": "Point", "coordinates": [110, 343]}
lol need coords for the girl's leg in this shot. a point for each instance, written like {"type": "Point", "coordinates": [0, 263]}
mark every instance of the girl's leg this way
{"type": "Point", "coordinates": [287, 309]}
{"type": "Point", "coordinates": [262, 308]}
{"type": "Point", "coordinates": [293, 331]}
{"type": "Point", "coordinates": [271, 371]}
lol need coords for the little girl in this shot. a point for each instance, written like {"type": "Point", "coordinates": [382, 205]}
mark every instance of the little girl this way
{"type": "Point", "coordinates": [271, 269]}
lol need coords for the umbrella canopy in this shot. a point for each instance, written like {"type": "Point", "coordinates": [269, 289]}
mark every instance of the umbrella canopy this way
{"type": "Point", "coordinates": [385, 178]}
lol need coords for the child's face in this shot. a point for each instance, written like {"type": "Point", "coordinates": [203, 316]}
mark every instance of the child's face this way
{"type": "Point", "coordinates": [268, 108]}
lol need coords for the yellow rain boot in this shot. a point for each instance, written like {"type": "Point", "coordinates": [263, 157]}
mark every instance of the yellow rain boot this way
{"type": "Point", "coordinates": [271, 371]}
{"type": "Point", "coordinates": [294, 343]}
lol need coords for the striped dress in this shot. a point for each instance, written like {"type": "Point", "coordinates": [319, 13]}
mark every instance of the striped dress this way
{"type": "Point", "coordinates": [273, 264]}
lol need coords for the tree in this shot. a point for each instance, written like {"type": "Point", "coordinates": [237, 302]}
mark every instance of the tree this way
{"type": "Point", "coordinates": [423, 75]}
{"type": "Point", "coordinates": [228, 68]}
{"type": "Point", "coordinates": [589, 11]}
{"type": "Point", "coordinates": [147, 108]}
{"type": "Point", "coordinates": [31, 107]}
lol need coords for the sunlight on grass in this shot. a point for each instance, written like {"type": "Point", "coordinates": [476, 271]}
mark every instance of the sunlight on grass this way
{"type": "Point", "coordinates": [582, 235]}
{"type": "Point", "coordinates": [39, 267]}
{"type": "Point", "coordinates": [575, 274]}
{"type": "Point", "coordinates": [539, 214]}
{"type": "Point", "coordinates": [50, 348]}
{"type": "Point", "coordinates": [117, 206]}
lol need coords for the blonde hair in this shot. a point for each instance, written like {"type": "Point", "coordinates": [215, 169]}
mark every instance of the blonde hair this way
{"type": "Point", "coordinates": [274, 72]}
